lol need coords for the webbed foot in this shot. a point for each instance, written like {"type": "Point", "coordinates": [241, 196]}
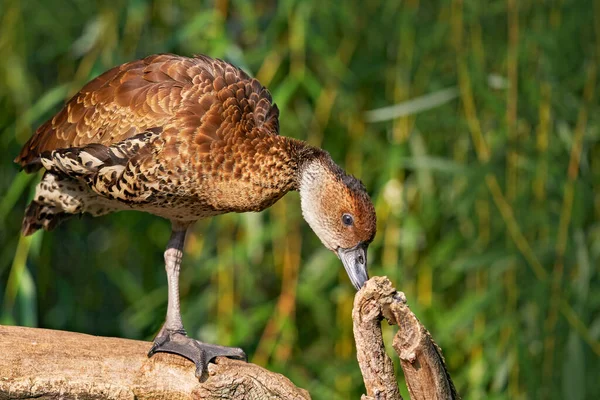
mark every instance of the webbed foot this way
{"type": "Point", "coordinates": [199, 353]}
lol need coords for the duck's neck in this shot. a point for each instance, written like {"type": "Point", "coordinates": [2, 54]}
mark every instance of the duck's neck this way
{"type": "Point", "coordinates": [309, 162]}
{"type": "Point", "coordinates": [312, 181]}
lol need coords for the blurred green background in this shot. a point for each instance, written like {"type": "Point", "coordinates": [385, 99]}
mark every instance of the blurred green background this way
{"type": "Point", "coordinates": [475, 126]}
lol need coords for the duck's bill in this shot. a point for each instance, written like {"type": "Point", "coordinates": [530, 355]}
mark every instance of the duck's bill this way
{"type": "Point", "coordinates": [355, 263]}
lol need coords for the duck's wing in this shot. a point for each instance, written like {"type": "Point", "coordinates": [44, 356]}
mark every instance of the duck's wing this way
{"type": "Point", "coordinates": [166, 92]}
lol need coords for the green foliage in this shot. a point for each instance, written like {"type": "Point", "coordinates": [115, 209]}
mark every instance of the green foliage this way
{"type": "Point", "coordinates": [485, 178]}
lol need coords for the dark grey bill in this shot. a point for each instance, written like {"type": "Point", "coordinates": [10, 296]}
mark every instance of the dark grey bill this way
{"type": "Point", "coordinates": [355, 262]}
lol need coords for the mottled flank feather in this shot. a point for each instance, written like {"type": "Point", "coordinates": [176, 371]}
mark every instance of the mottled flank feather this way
{"type": "Point", "coordinates": [59, 197]}
{"type": "Point", "coordinates": [41, 216]}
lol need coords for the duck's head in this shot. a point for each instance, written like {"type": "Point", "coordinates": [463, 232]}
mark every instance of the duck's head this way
{"type": "Point", "coordinates": [339, 210]}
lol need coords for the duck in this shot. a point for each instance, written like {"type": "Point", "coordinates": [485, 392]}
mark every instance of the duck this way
{"type": "Point", "coordinates": [188, 138]}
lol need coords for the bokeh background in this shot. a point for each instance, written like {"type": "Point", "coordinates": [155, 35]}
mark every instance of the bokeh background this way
{"type": "Point", "coordinates": [475, 126]}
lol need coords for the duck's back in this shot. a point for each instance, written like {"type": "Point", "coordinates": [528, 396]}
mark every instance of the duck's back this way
{"type": "Point", "coordinates": [159, 91]}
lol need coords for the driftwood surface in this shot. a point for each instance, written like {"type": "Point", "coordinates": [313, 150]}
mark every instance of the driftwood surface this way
{"type": "Point", "coordinates": [421, 359]}
{"type": "Point", "coordinates": [48, 364]}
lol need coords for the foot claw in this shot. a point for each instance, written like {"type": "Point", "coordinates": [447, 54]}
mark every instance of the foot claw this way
{"type": "Point", "coordinates": [200, 353]}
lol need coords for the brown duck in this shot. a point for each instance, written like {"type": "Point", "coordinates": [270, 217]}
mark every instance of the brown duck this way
{"type": "Point", "coordinates": [186, 139]}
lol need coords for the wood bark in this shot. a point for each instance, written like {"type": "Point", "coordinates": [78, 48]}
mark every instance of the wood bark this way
{"type": "Point", "coordinates": [421, 359]}
{"type": "Point", "coordinates": [47, 364]}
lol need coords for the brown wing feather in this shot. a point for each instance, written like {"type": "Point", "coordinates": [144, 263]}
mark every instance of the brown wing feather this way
{"type": "Point", "coordinates": [158, 91]}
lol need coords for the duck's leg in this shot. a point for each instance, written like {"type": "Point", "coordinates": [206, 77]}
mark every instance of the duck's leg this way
{"type": "Point", "coordinates": [172, 337]}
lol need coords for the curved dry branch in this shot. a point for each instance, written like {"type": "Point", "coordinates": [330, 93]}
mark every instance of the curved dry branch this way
{"type": "Point", "coordinates": [421, 359]}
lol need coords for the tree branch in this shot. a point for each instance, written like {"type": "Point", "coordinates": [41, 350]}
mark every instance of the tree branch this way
{"type": "Point", "coordinates": [47, 364]}
{"type": "Point", "coordinates": [421, 359]}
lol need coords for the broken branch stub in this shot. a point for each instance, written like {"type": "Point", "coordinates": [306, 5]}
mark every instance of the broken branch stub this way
{"type": "Point", "coordinates": [375, 365]}
{"type": "Point", "coordinates": [421, 359]}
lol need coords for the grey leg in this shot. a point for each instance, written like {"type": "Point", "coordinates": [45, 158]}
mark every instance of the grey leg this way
{"type": "Point", "coordinates": [173, 257]}
{"type": "Point", "coordinates": [172, 337]}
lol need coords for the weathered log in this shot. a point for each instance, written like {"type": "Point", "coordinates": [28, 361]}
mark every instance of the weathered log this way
{"type": "Point", "coordinates": [421, 359]}
{"type": "Point", "coordinates": [48, 364]}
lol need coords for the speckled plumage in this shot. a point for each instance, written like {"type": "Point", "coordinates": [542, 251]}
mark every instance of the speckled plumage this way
{"type": "Point", "coordinates": [183, 138]}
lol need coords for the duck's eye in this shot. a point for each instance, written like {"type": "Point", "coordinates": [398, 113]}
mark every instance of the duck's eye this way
{"type": "Point", "coordinates": [347, 220]}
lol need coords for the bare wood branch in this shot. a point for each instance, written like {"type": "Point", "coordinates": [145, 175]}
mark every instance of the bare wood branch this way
{"type": "Point", "coordinates": [47, 364]}
{"type": "Point", "coordinates": [376, 367]}
{"type": "Point", "coordinates": [421, 359]}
